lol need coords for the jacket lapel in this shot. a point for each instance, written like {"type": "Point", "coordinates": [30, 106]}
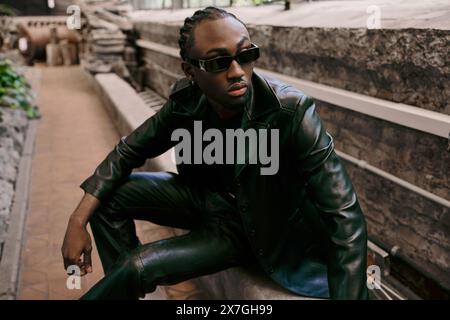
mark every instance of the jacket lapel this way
{"type": "Point", "coordinates": [263, 101]}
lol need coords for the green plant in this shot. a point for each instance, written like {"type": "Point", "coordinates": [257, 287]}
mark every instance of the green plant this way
{"type": "Point", "coordinates": [6, 10]}
{"type": "Point", "coordinates": [15, 91]}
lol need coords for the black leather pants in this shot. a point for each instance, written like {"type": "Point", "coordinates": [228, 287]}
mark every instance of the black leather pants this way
{"type": "Point", "coordinates": [216, 240]}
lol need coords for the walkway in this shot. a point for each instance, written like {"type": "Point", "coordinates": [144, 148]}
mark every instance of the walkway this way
{"type": "Point", "coordinates": [73, 136]}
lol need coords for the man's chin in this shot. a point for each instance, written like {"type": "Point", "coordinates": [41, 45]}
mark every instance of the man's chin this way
{"type": "Point", "coordinates": [239, 102]}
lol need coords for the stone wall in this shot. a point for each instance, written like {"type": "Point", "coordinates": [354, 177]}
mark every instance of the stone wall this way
{"type": "Point", "coordinates": [161, 71]}
{"type": "Point", "coordinates": [397, 216]}
{"type": "Point", "coordinates": [13, 124]}
{"type": "Point", "coordinates": [410, 66]}
{"type": "Point", "coordinates": [417, 157]}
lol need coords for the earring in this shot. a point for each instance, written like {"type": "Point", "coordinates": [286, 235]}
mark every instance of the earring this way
{"type": "Point", "coordinates": [192, 82]}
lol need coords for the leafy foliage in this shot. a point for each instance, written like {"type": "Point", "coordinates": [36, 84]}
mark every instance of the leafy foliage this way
{"type": "Point", "coordinates": [15, 91]}
{"type": "Point", "coordinates": [6, 10]}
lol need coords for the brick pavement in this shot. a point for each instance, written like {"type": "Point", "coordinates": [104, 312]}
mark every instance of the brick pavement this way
{"type": "Point", "coordinates": [73, 136]}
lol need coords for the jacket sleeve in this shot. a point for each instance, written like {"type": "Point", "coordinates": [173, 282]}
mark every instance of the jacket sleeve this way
{"type": "Point", "coordinates": [331, 191]}
{"type": "Point", "coordinates": [149, 140]}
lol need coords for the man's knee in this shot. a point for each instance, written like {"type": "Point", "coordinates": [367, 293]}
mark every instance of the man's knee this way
{"type": "Point", "coordinates": [130, 263]}
{"type": "Point", "coordinates": [148, 266]}
{"type": "Point", "coordinates": [129, 269]}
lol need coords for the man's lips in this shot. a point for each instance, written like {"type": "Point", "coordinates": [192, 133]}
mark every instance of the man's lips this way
{"type": "Point", "coordinates": [237, 89]}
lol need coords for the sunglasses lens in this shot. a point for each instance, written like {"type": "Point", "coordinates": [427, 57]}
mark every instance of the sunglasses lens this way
{"type": "Point", "coordinates": [223, 63]}
{"type": "Point", "coordinates": [247, 56]}
{"type": "Point", "coordinates": [218, 64]}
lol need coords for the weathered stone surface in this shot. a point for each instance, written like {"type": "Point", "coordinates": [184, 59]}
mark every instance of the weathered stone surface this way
{"type": "Point", "coordinates": [6, 197]}
{"type": "Point", "coordinates": [244, 284]}
{"type": "Point", "coordinates": [395, 215]}
{"type": "Point", "coordinates": [410, 66]}
{"type": "Point", "coordinates": [122, 22]}
{"type": "Point", "coordinates": [168, 63]}
{"type": "Point", "coordinates": [108, 49]}
{"type": "Point", "coordinates": [96, 22]}
{"type": "Point", "coordinates": [399, 217]}
{"type": "Point", "coordinates": [13, 123]}
{"type": "Point", "coordinates": [417, 157]}
{"type": "Point", "coordinates": [160, 79]}
{"type": "Point", "coordinates": [8, 161]}
{"type": "Point", "coordinates": [105, 34]}
{"type": "Point", "coordinates": [166, 33]}
{"type": "Point", "coordinates": [394, 14]}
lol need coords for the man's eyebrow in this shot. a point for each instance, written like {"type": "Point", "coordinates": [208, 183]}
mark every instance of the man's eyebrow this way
{"type": "Point", "coordinates": [224, 50]}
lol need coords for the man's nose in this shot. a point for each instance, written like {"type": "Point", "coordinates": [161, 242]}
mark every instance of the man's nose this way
{"type": "Point", "coordinates": [235, 70]}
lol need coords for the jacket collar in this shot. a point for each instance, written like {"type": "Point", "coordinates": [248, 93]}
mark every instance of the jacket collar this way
{"type": "Point", "coordinates": [192, 101]}
{"type": "Point", "coordinates": [261, 102]}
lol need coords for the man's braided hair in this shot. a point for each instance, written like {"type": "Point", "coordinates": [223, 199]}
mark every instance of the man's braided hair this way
{"type": "Point", "coordinates": [186, 40]}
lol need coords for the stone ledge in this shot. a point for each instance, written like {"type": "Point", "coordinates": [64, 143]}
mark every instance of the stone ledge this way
{"type": "Point", "coordinates": [10, 259]}
{"type": "Point", "coordinates": [128, 111]}
{"type": "Point", "coordinates": [244, 284]}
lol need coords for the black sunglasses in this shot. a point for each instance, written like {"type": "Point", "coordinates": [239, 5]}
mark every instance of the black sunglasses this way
{"type": "Point", "coordinates": [223, 62]}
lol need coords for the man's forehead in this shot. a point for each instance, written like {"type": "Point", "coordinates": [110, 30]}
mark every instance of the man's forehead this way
{"type": "Point", "coordinates": [221, 33]}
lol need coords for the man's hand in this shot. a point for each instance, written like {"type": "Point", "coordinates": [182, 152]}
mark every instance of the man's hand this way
{"type": "Point", "coordinates": [77, 241]}
{"type": "Point", "coordinates": [77, 247]}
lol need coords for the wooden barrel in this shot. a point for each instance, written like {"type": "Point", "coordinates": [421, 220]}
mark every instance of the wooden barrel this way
{"type": "Point", "coordinates": [34, 38]}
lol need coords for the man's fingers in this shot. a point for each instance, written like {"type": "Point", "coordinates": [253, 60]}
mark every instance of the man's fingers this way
{"type": "Point", "coordinates": [66, 263]}
{"type": "Point", "coordinates": [82, 271]}
{"type": "Point", "coordinates": [87, 260]}
{"type": "Point", "coordinates": [69, 262]}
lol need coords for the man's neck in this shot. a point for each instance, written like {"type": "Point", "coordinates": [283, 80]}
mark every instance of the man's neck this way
{"type": "Point", "coordinates": [225, 113]}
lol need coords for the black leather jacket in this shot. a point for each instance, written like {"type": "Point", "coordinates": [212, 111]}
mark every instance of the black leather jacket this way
{"type": "Point", "coordinates": [304, 223]}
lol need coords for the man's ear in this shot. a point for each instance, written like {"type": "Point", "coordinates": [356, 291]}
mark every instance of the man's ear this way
{"type": "Point", "coordinates": [188, 70]}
